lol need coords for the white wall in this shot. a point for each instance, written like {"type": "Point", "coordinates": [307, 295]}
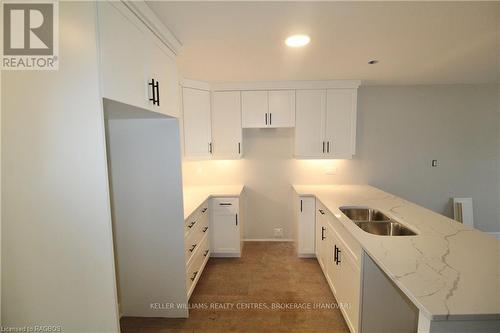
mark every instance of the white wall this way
{"type": "Point", "coordinates": [57, 255]}
{"type": "Point", "coordinates": [400, 130]}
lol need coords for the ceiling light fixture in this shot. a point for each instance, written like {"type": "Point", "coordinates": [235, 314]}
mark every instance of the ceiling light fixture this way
{"type": "Point", "coordinates": [297, 40]}
{"type": "Point", "coordinates": [373, 62]}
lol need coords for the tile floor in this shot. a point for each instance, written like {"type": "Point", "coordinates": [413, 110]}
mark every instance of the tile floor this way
{"type": "Point", "coordinates": [267, 273]}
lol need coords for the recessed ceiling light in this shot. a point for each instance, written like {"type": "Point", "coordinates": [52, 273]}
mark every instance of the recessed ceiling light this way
{"type": "Point", "coordinates": [373, 62]}
{"type": "Point", "coordinates": [297, 40]}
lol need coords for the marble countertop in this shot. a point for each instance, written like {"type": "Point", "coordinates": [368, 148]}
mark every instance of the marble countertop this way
{"type": "Point", "coordinates": [194, 196]}
{"type": "Point", "coordinates": [449, 271]}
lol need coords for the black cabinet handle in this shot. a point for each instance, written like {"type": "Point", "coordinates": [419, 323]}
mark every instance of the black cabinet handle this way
{"type": "Point", "coordinates": [225, 204]}
{"type": "Point", "coordinates": [210, 147]}
{"type": "Point", "coordinates": [323, 233]}
{"type": "Point", "coordinates": [328, 146]}
{"type": "Point", "coordinates": [206, 253]}
{"type": "Point", "coordinates": [194, 276]}
{"type": "Point", "coordinates": [193, 247]}
{"type": "Point", "coordinates": [270, 119]}
{"type": "Point", "coordinates": [300, 205]}
{"type": "Point", "coordinates": [236, 219]}
{"type": "Point", "coordinates": [158, 93]}
{"type": "Point", "coordinates": [338, 255]}
{"type": "Point", "coordinates": [323, 147]}
{"type": "Point", "coordinates": [239, 147]}
{"type": "Point", "coordinates": [204, 210]}
{"type": "Point", "coordinates": [335, 254]}
{"type": "Point", "coordinates": [205, 229]}
{"type": "Point", "coordinates": [191, 224]}
{"type": "Point", "coordinates": [266, 118]}
{"type": "Point", "coordinates": [321, 211]}
{"type": "Point", "coordinates": [153, 91]}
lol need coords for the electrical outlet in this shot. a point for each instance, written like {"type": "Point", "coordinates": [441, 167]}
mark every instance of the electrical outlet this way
{"type": "Point", "coordinates": [278, 232]}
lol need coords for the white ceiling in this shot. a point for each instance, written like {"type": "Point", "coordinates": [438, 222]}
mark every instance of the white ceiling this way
{"type": "Point", "coordinates": [416, 43]}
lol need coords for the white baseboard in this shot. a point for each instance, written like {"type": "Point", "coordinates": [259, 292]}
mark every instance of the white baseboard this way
{"type": "Point", "coordinates": [268, 240]}
{"type": "Point", "coordinates": [495, 234]}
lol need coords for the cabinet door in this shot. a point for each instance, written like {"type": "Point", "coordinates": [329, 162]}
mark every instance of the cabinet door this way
{"type": "Point", "coordinates": [254, 109]}
{"type": "Point", "coordinates": [163, 68]}
{"type": "Point", "coordinates": [306, 228]}
{"type": "Point", "coordinates": [197, 132]}
{"type": "Point", "coordinates": [226, 124]}
{"type": "Point", "coordinates": [225, 232]}
{"type": "Point", "coordinates": [332, 267]}
{"type": "Point", "coordinates": [309, 125]}
{"type": "Point", "coordinates": [281, 108]}
{"type": "Point", "coordinates": [349, 288]}
{"type": "Point", "coordinates": [123, 52]}
{"type": "Point", "coordinates": [340, 127]}
{"type": "Point", "coordinates": [321, 236]}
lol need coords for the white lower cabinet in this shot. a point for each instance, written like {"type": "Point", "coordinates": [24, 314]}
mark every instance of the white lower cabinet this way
{"type": "Point", "coordinates": [305, 226]}
{"type": "Point", "coordinates": [338, 255]}
{"type": "Point", "coordinates": [196, 245]}
{"type": "Point", "coordinates": [225, 228]}
{"type": "Point", "coordinates": [212, 230]}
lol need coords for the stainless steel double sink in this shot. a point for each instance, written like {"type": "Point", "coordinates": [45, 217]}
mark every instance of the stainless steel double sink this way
{"type": "Point", "coordinates": [375, 222]}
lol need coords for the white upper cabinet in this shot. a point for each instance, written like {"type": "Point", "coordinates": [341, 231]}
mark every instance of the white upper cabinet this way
{"type": "Point", "coordinates": [340, 126]}
{"type": "Point", "coordinates": [226, 124]}
{"type": "Point", "coordinates": [281, 108]}
{"type": "Point", "coordinates": [268, 109]}
{"type": "Point", "coordinates": [254, 109]}
{"type": "Point", "coordinates": [137, 68]}
{"type": "Point", "coordinates": [309, 129]}
{"type": "Point", "coordinates": [164, 71]}
{"type": "Point", "coordinates": [325, 123]}
{"type": "Point", "coordinates": [197, 129]}
{"type": "Point", "coordinates": [122, 48]}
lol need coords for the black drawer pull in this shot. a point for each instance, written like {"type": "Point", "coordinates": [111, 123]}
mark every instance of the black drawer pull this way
{"type": "Point", "coordinates": [225, 204]}
{"type": "Point", "coordinates": [193, 247]}
{"type": "Point", "coordinates": [194, 276]}
{"type": "Point", "coordinates": [205, 229]}
{"type": "Point", "coordinates": [323, 233]}
{"type": "Point", "coordinates": [204, 210]}
{"type": "Point", "coordinates": [206, 253]}
{"type": "Point", "coordinates": [191, 224]}
{"type": "Point", "coordinates": [321, 211]}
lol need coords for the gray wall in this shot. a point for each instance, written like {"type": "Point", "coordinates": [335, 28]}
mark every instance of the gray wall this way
{"type": "Point", "coordinates": [400, 130]}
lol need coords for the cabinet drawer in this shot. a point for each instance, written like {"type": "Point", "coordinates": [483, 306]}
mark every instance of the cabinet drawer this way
{"type": "Point", "coordinates": [192, 243]}
{"type": "Point", "coordinates": [199, 214]}
{"type": "Point", "coordinates": [194, 269]}
{"type": "Point", "coordinates": [229, 205]}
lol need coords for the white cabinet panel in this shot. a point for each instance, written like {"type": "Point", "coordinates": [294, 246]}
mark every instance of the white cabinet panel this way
{"type": "Point", "coordinates": [254, 109]}
{"type": "Point", "coordinates": [281, 108]}
{"type": "Point", "coordinates": [164, 70]}
{"type": "Point", "coordinates": [197, 132]}
{"type": "Point", "coordinates": [123, 55]}
{"type": "Point", "coordinates": [226, 124]}
{"type": "Point", "coordinates": [325, 123]}
{"type": "Point", "coordinates": [349, 288]}
{"type": "Point", "coordinates": [306, 227]}
{"type": "Point", "coordinates": [309, 127]}
{"type": "Point", "coordinates": [225, 227]}
{"type": "Point", "coordinates": [340, 124]}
